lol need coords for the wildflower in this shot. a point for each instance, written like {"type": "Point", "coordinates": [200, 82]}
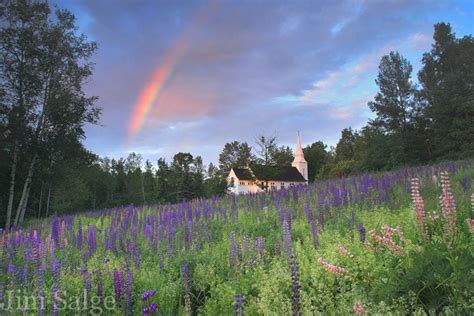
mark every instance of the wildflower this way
{"type": "Point", "coordinates": [386, 240]}
{"type": "Point", "coordinates": [118, 285]}
{"type": "Point", "coordinates": [91, 238]}
{"type": "Point", "coordinates": [332, 268]}
{"type": "Point", "coordinates": [361, 230]}
{"type": "Point", "coordinates": [149, 309]}
{"type": "Point", "coordinates": [295, 279]}
{"type": "Point", "coordinates": [344, 252]}
{"type": "Point", "coordinates": [470, 223]}
{"type": "Point", "coordinates": [187, 288]}
{"type": "Point", "coordinates": [147, 294]}
{"type": "Point", "coordinates": [287, 239]}
{"type": "Point", "coordinates": [232, 250]}
{"type": "Point", "coordinates": [277, 248]}
{"type": "Point", "coordinates": [259, 245]}
{"type": "Point", "coordinates": [79, 235]}
{"type": "Point", "coordinates": [128, 290]}
{"type": "Point", "coordinates": [448, 204]}
{"type": "Point", "coordinates": [358, 309]}
{"type": "Point", "coordinates": [314, 234]}
{"type": "Point", "coordinates": [419, 207]}
{"type": "Point", "coordinates": [239, 305]}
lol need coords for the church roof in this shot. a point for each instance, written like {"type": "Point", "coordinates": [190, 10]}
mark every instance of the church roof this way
{"type": "Point", "coordinates": [270, 173]}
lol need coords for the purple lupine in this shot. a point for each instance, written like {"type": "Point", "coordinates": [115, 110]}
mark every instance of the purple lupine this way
{"type": "Point", "coordinates": [91, 239]}
{"type": "Point", "coordinates": [245, 241]}
{"type": "Point", "coordinates": [87, 280]}
{"type": "Point", "coordinates": [187, 288]}
{"type": "Point", "coordinates": [55, 230]}
{"type": "Point", "coordinates": [2, 286]}
{"type": "Point", "coordinates": [320, 211]}
{"type": "Point", "coordinates": [118, 286]}
{"type": "Point", "coordinates": [232, 250]}
{"type": "Point", "coordinates": [295, 280]}
{"type": "Point", "coordinates": [128, 291]}
{"type": "Point", "coordinates": [100, 286]}
{"type": "Point", "coordinates": [147, 294]}
{"type": "Point", "coordinates": [56, 287]}
{"type": "Point", "coordinates": [11, 275]}
{"type": "Point", "coordinates": [147, 310]}
{"type": "Point", "coordinates": [259, 246]}
{"type": "Point", "coordinates": [79, 235]}
{"type": "Point", "coordinates": [277, 248]}
{"type": "Point", "coordinates": [287, 239]}
{"type": "Point", "coordinates": [239, 305]}
{"type": "Point", "coordinates": [314, 234]}
{"type": "Point", "coordinates": [361, 230]}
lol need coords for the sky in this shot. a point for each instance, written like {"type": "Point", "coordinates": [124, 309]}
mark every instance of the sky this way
{"type": "Point", "coordinates": [191, 75]}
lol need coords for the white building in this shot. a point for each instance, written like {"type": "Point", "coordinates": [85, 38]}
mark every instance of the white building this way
{"type": "Point", "coordinates": [245, 180]}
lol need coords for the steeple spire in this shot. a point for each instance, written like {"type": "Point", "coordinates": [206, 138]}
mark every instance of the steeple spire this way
{"type": "Point", "coordinates": [298, 149]}
{"type": "Point", "coordinates": [299, 162]}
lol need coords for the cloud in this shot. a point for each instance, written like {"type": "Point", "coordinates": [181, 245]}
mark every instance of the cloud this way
{"type": "Point", "coordinates": [288, 66]}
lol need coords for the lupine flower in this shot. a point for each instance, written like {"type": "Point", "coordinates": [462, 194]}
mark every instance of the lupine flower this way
{"type": "Point", "coordinates": [295, 280]}
{"type": "Point", "coordinates": [470, 223]}
{"type": "Point", "coordinates": [448, 204]}
{"type": "Point", "coordinates": [387, 241]}
{"type": "Point", "coordinates": [87, 280]}
{"type": "Point", "coordinates": [287, 239]}
{"type": "Point", "coordinates": [91, 239]}
{"type": "Point", "coordinates": [79, 235]}
{"type": "Point", "coordinates": [361, 230]}
{"type": "Point", "coordinates": [11, 275]}
{"type": "Point", "coordinates": [358, 309]}
{"type": "Point", "coordinates": [239, 305]}
{"type": "Point", "coordinates": [118, 286]}
{"type": "Point", "coordinates": [314, 234]}
{"type": "Point", "coordinates": [260, 247]}
{"type": "Point", "coordinates": [149, 309]}
{"type": "Point", "coordinates": [232, 250]}
{"type": "Point", "coordinates": [100, 286]}
{"type": "Point", "coordinates": [187, 288]}
{"type": "Point", "coordinates": [128, 290]}
{"type": "Point", "coordinates": [147, 294]}
{"type": "Point", "coordinates": [245, 241]}
{"type": "Point", "coordinates": [332, 268]}
{"type": "Point", "coordinates": [277, 248]}
{"type": "Point", "coordinates": [344, 252]}
{"type": "Point", "coordinates": [55, 230]}
{"type": "Point", "coordinates": [419, 207]}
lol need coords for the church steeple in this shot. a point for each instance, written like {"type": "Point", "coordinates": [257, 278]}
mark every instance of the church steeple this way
{"type": "Point", "coordinates": [299, 162]}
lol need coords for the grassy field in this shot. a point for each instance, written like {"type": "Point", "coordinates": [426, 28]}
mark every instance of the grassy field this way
{"type": "Point", "coordinates": [368, 244]}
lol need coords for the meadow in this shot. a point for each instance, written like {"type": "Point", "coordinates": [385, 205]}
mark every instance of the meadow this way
{"type": "Point", "coordinates": [398, 242]}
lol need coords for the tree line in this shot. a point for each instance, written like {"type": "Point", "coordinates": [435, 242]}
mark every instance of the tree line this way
{"type": "Point", "coordinates": [45, 169]}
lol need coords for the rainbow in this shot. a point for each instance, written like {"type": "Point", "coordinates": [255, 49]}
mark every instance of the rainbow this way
{"type": "Point", "coordinates": [164, 71]}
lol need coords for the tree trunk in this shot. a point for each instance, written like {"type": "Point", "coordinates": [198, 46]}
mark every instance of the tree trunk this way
{"type": "Point", "coordinates": [26, 191]}
{"type": "Point", "coordinates": [12, 186]}
{"type": "Point", "coordinates": [49, 199]}
{"type": "Point", "coordinates": [23, 210]}
{"type": "Point", "coordinates": [41, 200]}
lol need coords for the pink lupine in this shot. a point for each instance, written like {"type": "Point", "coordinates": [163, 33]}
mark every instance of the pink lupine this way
{"type": "Point", "coordinates": [470, 223]}
{"type": "Point", "coordinates": [344, 252]}
{"type": "Point", "coordinates": [332, 268]}
{"type": "Point", "coordinates": [358, 309]}
{"type": "Point", "coordinates": [419, 207]}
{"type": "Point", "coordinates": [448, 204]}
{"type": "Point", "coordinates": [387, 241]}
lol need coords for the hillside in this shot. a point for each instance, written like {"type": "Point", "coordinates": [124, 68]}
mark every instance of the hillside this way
{"type": "Point", "coordinates": [341, 246]}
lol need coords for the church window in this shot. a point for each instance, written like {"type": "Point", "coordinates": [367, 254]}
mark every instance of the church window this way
{"type": "Point", "coordinates": [242, 183]}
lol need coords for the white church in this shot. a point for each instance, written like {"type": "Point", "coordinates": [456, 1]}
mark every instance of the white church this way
{"type": "Point", "coordinates": [246, 180]}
